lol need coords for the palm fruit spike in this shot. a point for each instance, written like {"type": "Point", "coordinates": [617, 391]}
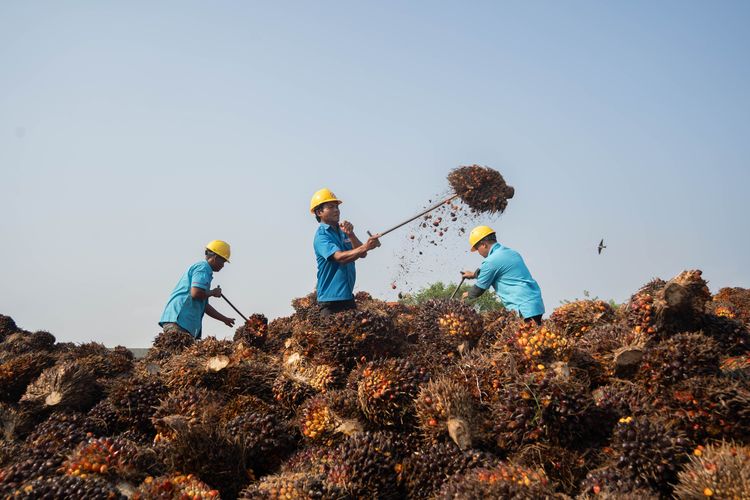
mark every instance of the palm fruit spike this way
{"type": "Point", "coordinates": [650, 451]}
{"type": "Point", "coordinates": [69, 385]}
{"type": "Point", "coordinates": [320, 377]}
{"type": "Point", "coordinates": [610, 482]}
{"type": "Point", "coordinates": [60, 432]}
{"type": "Point", "coordinates": [174, 486]}
{"type": "Point", "coordinates": [253, 332]}
{"type": "Point", "coordinates": [481, 188]}
{"type": "Point", "coordinates": [16, 374]}
{"type": "Point", "coordinates": [190, 406]}
{"type": "Point", "coordinates": [574, 319]}
{"type": "Point", "coordinates": [621, 398]}
{"type": "Point", "coordinates": [386, 390]}
{"type": "Point", "coordinates": [288, 486]}
{"type": "Point", "coordinates": [711, 408]}
{"type": "Point", "coordinates": [501, 481]}
{"type": "Point", "coordinates": [328, 418]}
{"type": "Point", "coordinates": [101, 456]}
{"type": "Point", "coordinates": [425, 469]}
{"type": "Point", "coordinates": [677, 358]}
{"type": "Point", "coordinates": [365, 466]}
{"type": "Point", "coordinates": [719, 470]}
{"type": "Point", "coordinates": [444, 408]}
{"type": "Point", "coordinates": [67, 487]}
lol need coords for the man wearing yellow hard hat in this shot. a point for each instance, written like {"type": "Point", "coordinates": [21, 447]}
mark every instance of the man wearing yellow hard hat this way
{"type": "Point", "coordinates": [504, 269]}
{"type": "Point", "coordinates": [189, 299]}
{"type": "Point", "coordinates": [336, 248]}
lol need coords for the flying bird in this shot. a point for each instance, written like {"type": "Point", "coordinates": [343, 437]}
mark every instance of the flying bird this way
{"type": "Point", "coordinates": [601, 246]}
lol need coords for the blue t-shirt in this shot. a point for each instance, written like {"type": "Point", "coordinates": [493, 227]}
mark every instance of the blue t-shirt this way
{"type": "Point", "coordinates": [506, 272]}
{"type": "Point", "coordinates": [335, 281]}
{"type": "Point", "coordinates": [182, 308]}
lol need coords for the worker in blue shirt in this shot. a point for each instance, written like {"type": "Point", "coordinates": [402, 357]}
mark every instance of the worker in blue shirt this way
{"type": "Point", "coordinates": [336, 248]}
{"type": "Point", "coordinates": [189, 299]}
{"type": "Point", "coordinates": [504, 269]}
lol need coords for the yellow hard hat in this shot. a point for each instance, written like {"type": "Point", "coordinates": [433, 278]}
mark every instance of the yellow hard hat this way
{"type": "Point", "coordinates": [220, 248]}
{"type": "Point", "coordinates": [322, 196]}
{"type": "Point", "coordinates": [477, 234]}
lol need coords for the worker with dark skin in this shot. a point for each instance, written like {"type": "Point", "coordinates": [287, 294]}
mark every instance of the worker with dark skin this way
{"type": "Point", "coordinates": [189, 300]}
{"type": "Point", "coordinates": [336, 247]}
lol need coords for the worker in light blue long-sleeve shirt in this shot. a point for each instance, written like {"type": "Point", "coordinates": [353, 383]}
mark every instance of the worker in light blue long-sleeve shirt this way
{"type": "Point", "coordinates": [504, 269]}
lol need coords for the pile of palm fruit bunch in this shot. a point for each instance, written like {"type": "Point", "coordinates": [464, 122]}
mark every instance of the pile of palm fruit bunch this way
{"type": "Point", "coordinates": [648, 399]}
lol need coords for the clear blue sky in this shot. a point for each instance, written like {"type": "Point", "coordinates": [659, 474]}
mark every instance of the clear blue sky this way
{"type": "Point", "coordinates": [131, 133]}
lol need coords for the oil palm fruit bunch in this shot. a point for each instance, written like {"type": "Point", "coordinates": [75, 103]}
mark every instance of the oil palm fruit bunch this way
{"type": "Point", "coordinates": [495, 322]}
{"type": "Point", "coordinates": [7, 326]}
{"type": "Point", "coordinates": [190, 406]}
{"type": "Point", "coordinates": [424, 469]}
{"type": "Point", "coordinates": [711, 408]}
{"type": "Point", "coordinates": [546, 408]}
{"type": "Point", "coordinates": [576, 318]}
{"type": "Point", "coordinates": [329, 418]}
{"type": "Point", "coordinates": [23, 342]}
{"type": "Point", "coordinates": [320, 376]}
{"type": "Point", "coordinates": [367, 334]}
{"type": "Point", "coordinates": [614, 350]}
{"type": "Point", "coordinates": [444, 409]}
{"type": "Point", "coordinates": [62, 487]}
{"type": "Point", "coordinates": [101, 456]}
{"type": "Point", "coordinates": [265, 439]}
{"type": "Point", "coordinates": [622, 398]}
{"type": "Point", "coordinates": [209, 452]}
{"type": "Point", "coordinates": [541, 345]}
{"type": "Point", "coordinates": [18, 372]}
{"type": "Point", "coordinates": [386, 390]}
{"type": "Point", "coordinates": [732, 334]}
{"type": "Point", "coordinates": [739, 298]}
{"type": "Point", "coordinates": [29, 465]}
{"type": "Point", "coordinates": [135, 400]}
{"type": "Point", "coordinates": [461, 322]}
{"type": "Point", "coordinates": [365, 466]}
{"type": "Point", "coordinates": [243, 404]}
{"type": "Point", "coordinates": [254, 331]}
{"type": "Point", "coordinates": [610, 482]}
{"type": "Point", "coordinates": [680, 305]}
{"type": "Point", "coordinates": [104, 419]}
{"type": "Point", "coordinates": [167, 344]}
{"type": "Point", "coordinates": [175, 487]}
{"type": "Point", "coordinates": [59, 433]}
{"type": "Point", "coordinates": [69, 385]}
{"type": "Point", "coordinates": [720, 470]}
{"type": "Point", "coordinates": [677, 358]}
{"type": "Point", "coordinates": [504, 480]}
{"type": "Point", "coordinates": [481, 188]}
{"type": "Point", "coordinates": [650, 451]}
{"type": "Point", "coordinates": [564, 467]}
{"type": "Point", "coordinates": [288, 486]}
{"type": "Point", "coordinates": [722, 309]}
{"type": "Point", "coordinates": [483, 374]}
{"type": "Point", "coordinates": [289, 393]}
